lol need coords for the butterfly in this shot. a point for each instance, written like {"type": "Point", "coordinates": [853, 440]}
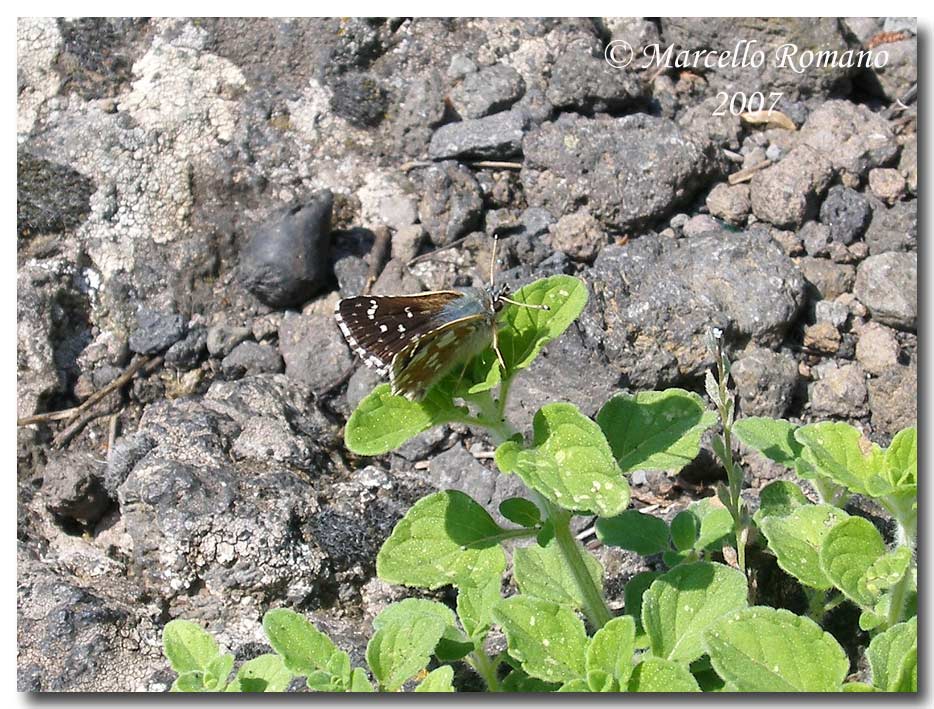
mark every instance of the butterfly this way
{"type": "Point", "coordinates": [418, 339]}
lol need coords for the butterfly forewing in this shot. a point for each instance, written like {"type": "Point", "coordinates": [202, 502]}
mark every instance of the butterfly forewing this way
{"type": "Point", "coordinates": [378, 327]}
{"type": "Point", "coordinates": [424, 362]}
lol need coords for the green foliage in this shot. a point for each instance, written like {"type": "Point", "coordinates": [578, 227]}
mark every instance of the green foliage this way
{"type": "Point", "coordinates": [656, 674]}
{"type": "Point", "coordinates": [893, 658]}
{"type": "Point", "coordinates": [540, 572]}
{"type": "Point", "coordinates": [797, 538]}
{"type": "Point", "coordinates": [635, 531]}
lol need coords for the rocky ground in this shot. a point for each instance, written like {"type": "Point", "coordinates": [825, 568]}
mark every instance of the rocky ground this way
{"type": "Point", "coordinates": [195, 195]}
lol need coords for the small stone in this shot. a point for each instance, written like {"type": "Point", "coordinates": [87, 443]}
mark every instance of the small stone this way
{"type": "Point", "coordinates": [729, 202]}
{"type": "Point", "coordinates": [816, 238]}
{"type": "Point", "coordinates": [495, 137]}
{"type": "Point", "coordinates": [583, 81]}
{"type": "Point", "coordinates": [156, 331]}
{"type": "Point", "coordinates": [774, 152]}
{"type": "Point", "coordinates": [887, 184]}
{"type": "Point", "coordinates": [858, 251]}
{"type": "Point", "coordinates": [877, 348]}
{"type": "Point", "coordinates": [887, 285]}
{"type": "Point", "coordinates": [850, 137]}
{"type": "Point", "coordinates": [679, 220]}
{"type": "Point", "coordinates": [893, 399]}
{"type": "Point", "coordinates": [579, 235]}
{"type": "Point", "coordinates": [786, 194]}
{"type": "Point", "coordinates": [536, 221]}
{"type": "Point", "coordinates": [186, 353]}
{"type": "Point", "coordinates": [286, 261]}
{"type": "Point", "coordinates": [822, 337]}
{"type": "Point", "coordinates": [407, 241]}
{"type": "Point", "coordinates": [700, 224]}
{"type": "Point", "coordinates": [223, 338]}
{"type": "Point", "coordinates": [451, 204]}
{"type": "Point", "coordinates": [765, 381]}
{"type": "Point", "coordinates": [359, 98]}
{"type": "Point", "coordinates": [847, 214]}
{"type": "Point", "coordinates": [360, 384]}
{"type": "Point", "coordinates": [893, 228]}
{"type": "Point", "coordinates": [831, 311]}
{"type": "Point", "coordinates": [314, 351]}
{"type": "Point", "coordinates": [460, 66]}
{"type": "Point", "coordinates": [841, 391]}
{"type": "Point", "coordinates": [250, 358]}
{"type": "Point", "coordinates": [73, 487]}
{"type": "Point", "coordinates": [788, 240]}
{"type": "Point", "coordinates": [266, 326]}
{"type": "Point", "coordinates": [908, 164]}
{"type": "Point", "coordinates": [829, 278]}
{"type": "Point", "coordinates": [490, 90]}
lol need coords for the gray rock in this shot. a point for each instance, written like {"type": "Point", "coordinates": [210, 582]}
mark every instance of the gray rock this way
{"type": "Point", "coordinates": [396, 279]}
{"type": "Point", "coordinates": [126, 453]}
{"type": "Point", "coordinates": [187, 352]}
{"type": "Point", "coordinates": [407, 241]}
{"type": "Point", "coordinates": [828, 278]}
{"type": "Point", "coordinates": [840, 392]}
{"type": "Point", "coordinates": [887, 184]}
{"type": "Point", "coordinates": [460, 66]}
{"type": "Point", "coordinates": [877, 348]}
{"type": "Point", "coordinates": [846, 212]}
{"type": "Point", "coordinates": [420, 112]}
{"type": "Point", "coordinates": [863, 28]}
{"type": "Point", "coordinates": [908, 164]}
{"type": "Point", "coordinates": [816, 238]}
{"type": "Point", "coordinates": [314, 351]}
{"type": "Point", "coordinates": [787, 194]}
{"type": "Point", "coordinates": [223, 338]}
{"type": "Point", "coordinates": [156, 331]}
{"type": "Point", "coordinates": [850, 136]}
{"type": "Point", "coordinates": [286, 260]}
{"type": "Point", "coordinates": [249, 358]}
{"type": "Point", "coordinates": [451, 204]}
{"type": "Point", "coordinates": [576, 160]}
{"type": "Point", "coordinates": [887, 284]}
{"type": "Point", "coordinates": [765, 381]}
{"type": "Point", "coordinates": [578, 235]}
{"type": "Point", "coordinates": [769, 34]}
{"type": "Point", "coordinates": [900, 24]}
{"type": "Point", "coordinates": [831, 311]}
{"type": "Point", "coordinates": [359, 98]}
{"type": "Point", "coordinates": [893, 228]}
{"type": "Point", "coordinates": [822, 337]}
{"type": "Point", "coordinates": [582, 80]}
{"type": "Point", "coordinates": [701, 224]}
{"type": "Point", "coordinates": [899, 73]}
{"type": "Point", "coordinates": [266, 326]}
{"type": "Point", "coordinates": [893, 399]}
{"type": "Point", "coordinates": [536, 221]}
{"type": "Point", "coordinates": [729, 202]}
{"type": "Point", "coordinates": [490, 90]}
{"type": "Point", "coordinates": [657, 298]}
{"type": "Point", "coordinates": [50, 198]}
{"type": "Point", "coordinates": [73, 487]}
{"type": "Point", "coordinates": [495, 137]}
{"type": "Point", "coordinates": [265, 439]}
{"type": "Point", "coordinates": [360, 384]}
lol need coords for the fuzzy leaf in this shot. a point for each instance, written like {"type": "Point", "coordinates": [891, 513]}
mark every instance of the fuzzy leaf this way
{"type": "Point", "coordinates": [773, 438]}
{"type": "Point", "coordinates": [890, 658]}
{"type": "Point", "coordinates": [549, 640]}
{"type": "Point", "coordinates": [438, 680]}
{"type": "Point", "coordinates": [570, 462]}
{"type": "Point", "coordinates": [188, 647]}
{"type": "Point", "coordinates": [901, 462]}
{"type": "Point", "coordinates": [656, 674]}
{"type": "Point", "coordinates": [611, 649]}
{"type": "Point", "coordinates": [403, 647]}
{"type": "Point", "coordinates": [444, 538]}
{"type": "Point", "coordinates": [633, 530]}
{"type": "Point", "coordinates": [303, 647]}
{"type": "Point", "coordinates": [762, 649]}
{"type": "Point", "coordinates": [840, 452]}
{"type": "Point", "coordinates": [633, 593]}
{"type": "Point", "coordinates": [779, 498]}
{"type": "Point", "coordinates": [475, 603]}
{"type": "Point", "coordinates": [542, 573]}
{"type": "Point", "coordinates": [886, 571]}
{"type": "Point", "coordinates": [685, 530]}
{"type": "Point", "coordinates": [266, 673]}
{"type": "Point", "coordinates": [520, 511]}
{"type": "Point", "coordinates": [655, 430]}
{"type": "Point", "coordinates": [683, 602]}
{"type": "Point", "coordinates": [848, 552]}
{"type": "Point", "coordinates": [796, 540]}
{"type": "Point", "coordinates": [715, 523]}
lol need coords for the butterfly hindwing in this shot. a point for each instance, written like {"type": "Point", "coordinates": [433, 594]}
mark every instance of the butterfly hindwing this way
{"type": "Point", "coordinates": [378, 327]}
{"type": "Point", "coordinates": [425, 361]}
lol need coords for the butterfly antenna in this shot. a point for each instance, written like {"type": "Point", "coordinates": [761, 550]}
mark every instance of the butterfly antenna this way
{"type": "Point", "coordinates": [533, 306]}
{"type": "Point", "coordinates": [493, 259]}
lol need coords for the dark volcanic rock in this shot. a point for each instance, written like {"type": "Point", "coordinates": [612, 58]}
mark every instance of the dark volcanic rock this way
{"type": "Point", "coordinates": [494, 137]}
{"type": "Point", "coordinates": [765, 381]}
{"type": "Point", "coordinates": [893, 399]}
{"type": "Point", "coordinates": [657, 298]}
{"type": "Point", "coordinates": [846, 212]}
{"type": "Point", "coordinates": [887, 284]}
{"type": "Point", "coordinates": [49, 197]}
{"type": "Point", "coordinates": [286, 260]}
{"type": "Point", "coordinates": [186, 353]}
{"type": "Point", "coordinates": [156, 331]}
{"type": "Point", "coordinates": [893, 228]}
{"type": "Point", "coordinates": [360, 99]}
{"type": "Point", "coordinates": [314, 351]}
{"type": "Point", "coordinates": [250, 358]}
{"type": "Point", "coordinates": [582, 80]}
{"type": "Point", "coordinates": [490, 90]}
{"type": "Point", "coordinates": [452, 203]}
{"type": "Point", "coordinates": [628, 171]}
{"type": "Point", "coordinates": [73, 487]}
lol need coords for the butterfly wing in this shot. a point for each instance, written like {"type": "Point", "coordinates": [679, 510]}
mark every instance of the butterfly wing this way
{"type": "Point", "coordinates": [378, 327]}
{"type": "Point", "coordinates": [425, 361]}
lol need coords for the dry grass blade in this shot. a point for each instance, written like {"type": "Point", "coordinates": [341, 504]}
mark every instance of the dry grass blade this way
{"type": "Point", "coordinates": [772, 119]}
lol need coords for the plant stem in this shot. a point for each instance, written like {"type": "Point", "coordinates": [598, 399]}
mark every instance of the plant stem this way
{"type": "Point", "coordinates": [486, 668]}
{"type": "Point", "coordinates": [816, 603]}
{"type": "Point", "coordinates": [898, 598]}
{"type": "Point", "coordinates": [734, 475]}
{"type": "Point", "coordinates": [595, 608]}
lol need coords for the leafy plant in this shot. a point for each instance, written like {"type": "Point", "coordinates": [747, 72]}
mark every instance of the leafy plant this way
{"type": "Point", "coordinates": [689, 628]}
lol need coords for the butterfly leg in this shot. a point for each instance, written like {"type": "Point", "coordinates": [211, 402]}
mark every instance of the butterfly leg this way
{"type": "Point", "coordinates": [499, 355]}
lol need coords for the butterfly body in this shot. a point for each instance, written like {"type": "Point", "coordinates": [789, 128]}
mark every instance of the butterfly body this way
{"type": "Point", "coordinates": [420, 338]}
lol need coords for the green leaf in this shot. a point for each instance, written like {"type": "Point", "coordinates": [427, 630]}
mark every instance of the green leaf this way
{"type": "Point", "coordinates": [773, 438]}
{"type": "Point", "coordinates": [796, 540]}
{"type": "Point", "coordinates": [400, 649]}
{"type": "Point", "coordinates": [575, 686]}
{"type": "Point", "coordinates": [901, 462]}
{"type": "Point", "coordinates": [302, 646]}
{"type": "Point", "coordinates": [762, 649]}
{"type": "Point", "coordinates": [655, 674]}
{"type": "Point", "coordinates": [655, 430]}
{"type": "Point", "coordinates": [189, 682]}
{"type": "Point", "coordinates": [266, 673]}
{"type": "Point", "coordinates": [523, 512]}
{"type": "Point", "coordinates": [683, 602]}
{"type": "Point", "coordinates": [848, 552]}
{"type": "Point", "coordinates": [359, 682]}
{"type": "Point", "coordinates": [543, 573]}
{"type": "Point", "coordinates": [778, 499]}
{"type": "Point", "coordinates": [438, 680]}
{"type": "Point", "coordinates": [571, 463]}
{"type": "Point", "coordinates": [685, 529]}
{"type": "Point", "coordinates": [519, 681]}
{"type": "Point", "coordinates": [633, 593]}
{"type": "Point", "coordinates": [633, 530]}
{"type": "Point", "coordinates": [188, 647]}
{"type": "Point", "coordinates": [444, 538]}
{"type": "Point", "coordinates": [611, 649]}
{"type": "Point", "coordinates": [841, 452]}
{"type": "Point", "coordinates": [383, 422]}
{"type": "Point", "coordinates": [409, 610]}
{"type": "Point", "coordinates": [858, 687]}
{"type": "Point", "coordinates": [475, 603]}
{"type": "Point", "coordinates": [716, 523]}
{"type": "Point", "coordinates": [549, 640]}
{"type": "Point", "coordinates": [891, 658]}
{"type": "Point", "coordinates": [886, 571]}
{"type": "Point", "coordinates": [599, 681]}
{"type": "Point", "coordinates": [215, 679]}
